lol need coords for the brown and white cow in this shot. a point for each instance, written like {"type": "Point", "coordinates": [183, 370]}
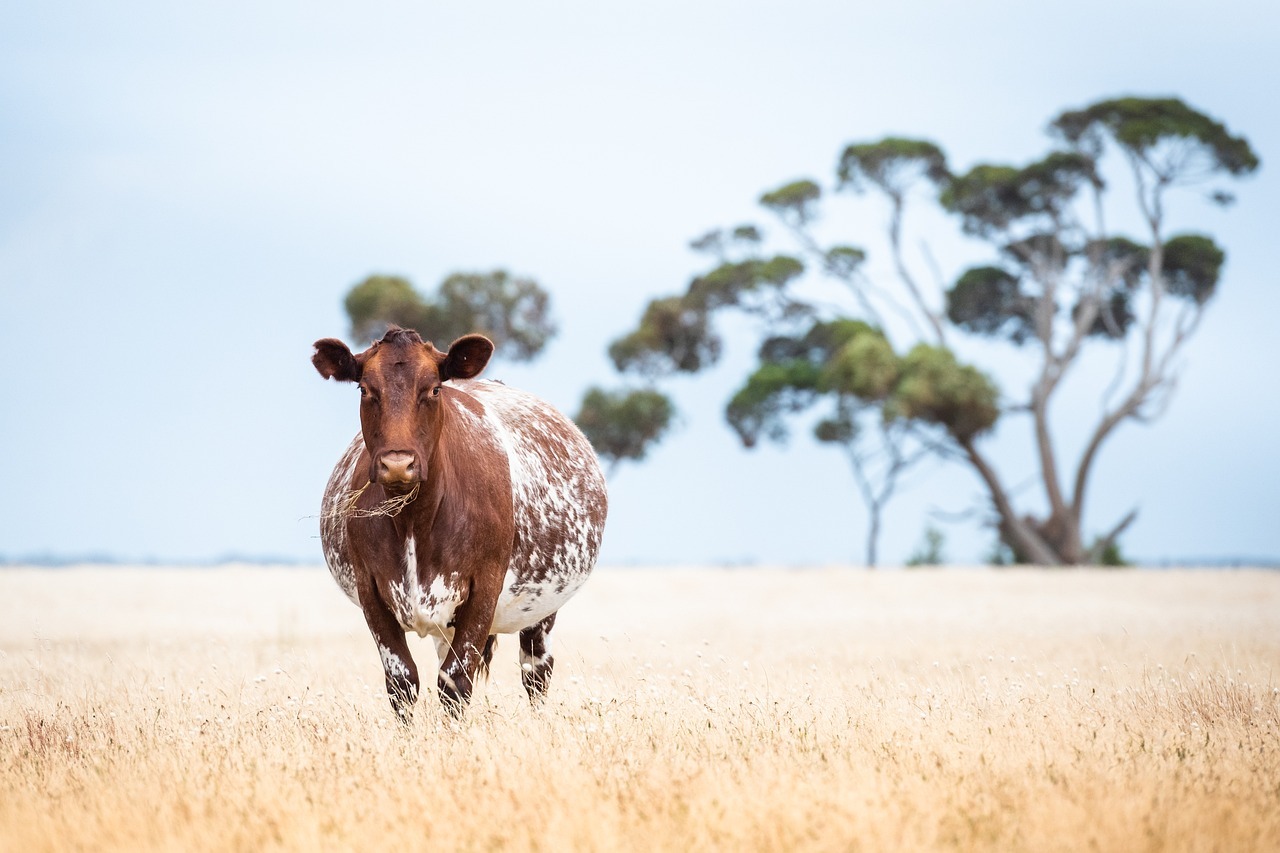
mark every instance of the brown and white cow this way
{"type": "Point", "coordinates": [462, 510]}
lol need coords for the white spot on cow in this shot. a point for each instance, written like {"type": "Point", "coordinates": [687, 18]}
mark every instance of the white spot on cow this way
{"type": "Point", "coordinates": [528, 662]}
{"type": "Point", "coordinates": [392, 664]}
{"type": "Point", "coordinates": [333, 524]}
{"type": "Point", "coordinates": [423, 611]}
{"type": "Point", "coordinates": [525, 602]}
{"type": "Point", "coordinates": [443, 644]}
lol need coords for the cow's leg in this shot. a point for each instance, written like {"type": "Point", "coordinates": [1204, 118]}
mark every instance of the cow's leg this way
{"type": "Point", "coordinates": [536, 661]}
{"type": "Point", "coordinates": [397, 664]}
{"type": "Point", "coordinates": [464, 652]}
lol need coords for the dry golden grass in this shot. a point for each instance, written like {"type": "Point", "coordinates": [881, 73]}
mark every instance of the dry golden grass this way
{"type": "Point", "coordinates": [243, 709]}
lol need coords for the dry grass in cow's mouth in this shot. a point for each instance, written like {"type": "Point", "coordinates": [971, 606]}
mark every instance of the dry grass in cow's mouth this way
{"type": "Point", "coordinates": [391, 507]}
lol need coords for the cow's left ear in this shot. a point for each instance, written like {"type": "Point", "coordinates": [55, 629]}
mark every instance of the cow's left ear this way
{"type": "Point", "coordinates": [467, 356]}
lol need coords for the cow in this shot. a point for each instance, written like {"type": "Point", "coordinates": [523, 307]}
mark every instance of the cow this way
{"type": "Point", "coordinates": [463, 509]}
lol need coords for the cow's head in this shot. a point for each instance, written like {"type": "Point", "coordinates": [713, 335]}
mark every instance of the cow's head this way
{"type": "Point", "coordinates": [401, 402]}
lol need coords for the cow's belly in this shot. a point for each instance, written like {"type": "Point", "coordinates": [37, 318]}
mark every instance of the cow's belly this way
{"type": "Point", "coordinates": [428, 609]}
{"type": "Point", "coordinates": [526, 602]}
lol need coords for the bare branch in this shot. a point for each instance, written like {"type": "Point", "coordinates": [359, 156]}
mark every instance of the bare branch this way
{"type": "Point", "coordinates": [1106, 541]}
{"type": "Point", "coordinates": [895, 244]}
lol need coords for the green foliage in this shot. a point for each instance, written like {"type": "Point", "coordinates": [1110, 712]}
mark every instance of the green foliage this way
{"type": "Point", "coordinates": [890, 164]}
{"type": "Point", "coordinates": [717, 242]}
{"type": "Point", "coordinates": [773, 390]}
{"type": "Point", "coordinates": [845, 260]}
{"type": "Point", "coordinates": [1110, 554]}
{"type": "Point", "coordinates": [1039, 252]}
{"type": "Point", "coordinates": [989, 301]}
{"type": "Point", "coordinates": [712, 241]}
{"type": "Point", "coordinates": [930, 551]}
{"type": "Point", "coordinates": [723, 286]}
{"type": "Point", "coordinates": [1142, 125]}
{"type": "Point", "coordinates": [855, 363]}
{"type": "Point", "coordinates": [1192, 263]}
{"type": "Point", "coordinates": [985, 194]}
{"type": "Point", "coordinates": [380, 300]}
{"type": "Point", "coordinates": [732, 283]}
{"type": "Point", "coordinates": [794, 372]}
{"type": "Point", "coordinates": [794, 202]}
{"type": "Point", "coordinates": [990, 199]}
{"type": "Point", "coordinates": [865, 367]}
{"type": "Point", "coordinates": [675, 333]}
{"type": "Point", "coordinates": [779, 270]}
{"type": "Point", "coordinates": [672, 337]}
{"type": "Point", "coordinates": [937, 389]}
{"type": "Point", "coordinates": [512, 311]}
{"type": "Point", "coordinates": [842, 428]}
{"type": "Point", "coordinates": [1119, 258]}
{"type": "Point", "coordinates": [624, 425]}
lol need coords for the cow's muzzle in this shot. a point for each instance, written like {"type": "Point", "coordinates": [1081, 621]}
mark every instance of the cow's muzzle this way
{"type": "Point", "coordinates": [397, 471]}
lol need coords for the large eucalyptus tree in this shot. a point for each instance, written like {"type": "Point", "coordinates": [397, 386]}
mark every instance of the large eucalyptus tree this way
{"type": "Point", "coordinates": [1058, 276]}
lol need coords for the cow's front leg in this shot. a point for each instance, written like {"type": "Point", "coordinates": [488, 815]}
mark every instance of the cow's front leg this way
{"type": "Point", "coordinates": [397, 664]}
{"type": "Point", "coordinates": [461, 655]}
{"type": "Point", "coordinates": [536, 661]}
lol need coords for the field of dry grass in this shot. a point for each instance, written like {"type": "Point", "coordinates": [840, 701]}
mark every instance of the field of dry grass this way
{"type": "Point", "coordinates": [243, 709]}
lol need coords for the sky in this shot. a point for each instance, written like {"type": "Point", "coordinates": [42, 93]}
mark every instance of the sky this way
{"type": "Point", "coordinates": [187, 191]}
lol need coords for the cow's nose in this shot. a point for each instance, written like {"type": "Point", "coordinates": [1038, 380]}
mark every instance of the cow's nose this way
{"type": "Point", "coordinates": [397, 468]}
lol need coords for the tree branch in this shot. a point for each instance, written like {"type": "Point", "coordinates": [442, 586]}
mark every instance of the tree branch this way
{"type": "Point", "coordinates": [1105, 542]}
{"type": "Point", "coordinates": [895, 244]}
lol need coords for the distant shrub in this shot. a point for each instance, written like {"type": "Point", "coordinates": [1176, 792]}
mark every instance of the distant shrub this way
{"type": "Point", "coordinates": [929, 552]}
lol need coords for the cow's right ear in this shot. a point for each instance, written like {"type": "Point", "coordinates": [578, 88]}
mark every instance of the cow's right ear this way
{"type": "Point", "coordinates": [334, 361]}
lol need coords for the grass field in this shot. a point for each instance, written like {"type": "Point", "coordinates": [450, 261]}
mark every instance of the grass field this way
{"type": "Point", "coordinates": [700, 709]}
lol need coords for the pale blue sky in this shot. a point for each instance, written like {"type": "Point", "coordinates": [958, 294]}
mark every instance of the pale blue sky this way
{"type": "Point", "coordinates": [188, 190]}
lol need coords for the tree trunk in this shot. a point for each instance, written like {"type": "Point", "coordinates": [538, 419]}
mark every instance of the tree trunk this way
{"type": "Point", "coordinates": [1019, 534]}
{"type": "Point", "coordinates": [873, 535]}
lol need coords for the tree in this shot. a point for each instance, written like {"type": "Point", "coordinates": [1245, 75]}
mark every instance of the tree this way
{"type": "Point", "coordinates": [1056, 279]}
{"type": "Point", "coordinates": [624, 424]}
{"type": "Point", "coordinates": [514, 312]}
{"type": "Point", "coordinates": [929, 552]}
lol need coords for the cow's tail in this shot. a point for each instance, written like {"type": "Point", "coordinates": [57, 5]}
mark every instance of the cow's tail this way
{"type": "Point", "coordinates": [486, 656]}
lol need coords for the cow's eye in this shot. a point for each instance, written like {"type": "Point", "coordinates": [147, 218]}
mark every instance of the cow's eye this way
{"type": "Point", "coordinates": [364, 392]}
{"type": "Point", "coordinates": [435, 392]}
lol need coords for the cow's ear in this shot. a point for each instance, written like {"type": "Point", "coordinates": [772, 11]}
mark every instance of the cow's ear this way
{"type": "Point", "coordinates": [334, 361]}
{"type": "Point", "coordinates": [466, 358]}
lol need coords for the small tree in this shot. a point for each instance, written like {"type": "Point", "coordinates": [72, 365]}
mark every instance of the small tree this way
{"type": "Point", "coordinates": [624, 424]}
{"type": "Point", "coordinates": [514, 312]}
{"type": "Point", "coordinates": [930, 551]}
